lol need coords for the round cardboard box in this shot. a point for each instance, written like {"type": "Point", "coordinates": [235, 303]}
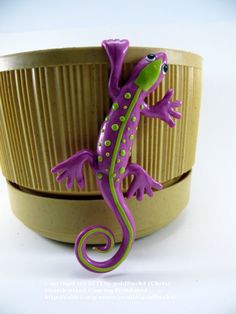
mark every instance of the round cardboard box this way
{"type": "Point", "coordinates": [52, 103]}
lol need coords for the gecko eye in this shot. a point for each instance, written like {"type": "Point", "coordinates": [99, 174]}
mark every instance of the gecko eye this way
{"type": "Point", "coordinates": [164, 68]}
{"type": "Point", "coordinates": [150, 57]}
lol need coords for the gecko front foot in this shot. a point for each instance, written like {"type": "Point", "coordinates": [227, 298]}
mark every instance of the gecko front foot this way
{"type": "Point", "coordinates": [115, 49]}
{"type": "Point", "coordinates": [142, 182]}
{"type": "Point", "coordinates": [166, 109]}
{"type": "Point", "coordinates": [72, 168]}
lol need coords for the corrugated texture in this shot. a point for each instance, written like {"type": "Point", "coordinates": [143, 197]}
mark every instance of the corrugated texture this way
{"type": "Point", "coordinates": [49, 113]}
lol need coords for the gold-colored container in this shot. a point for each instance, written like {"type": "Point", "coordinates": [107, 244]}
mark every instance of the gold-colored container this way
{"type": "Point", "coordinates": [52, 103]}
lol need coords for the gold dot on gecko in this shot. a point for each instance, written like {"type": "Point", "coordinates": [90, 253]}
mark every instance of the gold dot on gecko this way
{"type": "Point", "coordinates": [122, 170]}
{"type": "Point", "coordinates": [118, 161]}
{"type": "Point", "coordinates": [100, 158]}
{"type": "Point", "coordinates": [107, 143]}
{"type": "Point", "coordinates": [131, 137]}
{"type": "Point", "coordinates": [125, 107]}
{"type": "Point", "coordinates": [107, 119]}
{"type": "Point", "coordinates": [115, 127]}
{"type": "Point", "coordinates": [127, 95]}
{"type": "Point", "coordinates": [122, 152]}
{"type": "Point", "coordinates": [141, 107]}
{"type": "Point", "coordinates": [115, 106]}
{"type": "Point", "coordinates": [133, 119]}
{"type": "Point", "coordinates": [99, 175]}
{"type": "Point", "coordinates": [107, 154]}
{"type": "Point", "coordinates": [123, 140]}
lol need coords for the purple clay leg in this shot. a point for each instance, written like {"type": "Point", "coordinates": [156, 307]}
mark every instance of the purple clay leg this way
{"type": "Point", "coordinates": [164, 109]}
{"type": "Point", "coordinates": [116, 50]}
{"type": "Point", "coordinates": [72, 168]}
{"type": "Point", "coordinates": [142, 182]}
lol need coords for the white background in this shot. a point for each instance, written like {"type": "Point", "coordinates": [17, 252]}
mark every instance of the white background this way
{"type": "Point", "coordinates": [188, 266]}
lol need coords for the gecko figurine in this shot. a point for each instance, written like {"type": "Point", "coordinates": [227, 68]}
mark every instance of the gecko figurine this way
{"type": "Point", "coordinates": [110, 164]}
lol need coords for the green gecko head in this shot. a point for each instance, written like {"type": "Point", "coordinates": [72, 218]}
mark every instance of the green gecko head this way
{"type": "Point", "coordinates": [149, 71]}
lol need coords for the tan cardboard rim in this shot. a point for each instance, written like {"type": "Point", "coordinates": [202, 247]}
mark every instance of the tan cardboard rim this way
{"type": "Point", "coordinates": [62, 219]}
{"type": "Point", "coordinates": [63, 56]}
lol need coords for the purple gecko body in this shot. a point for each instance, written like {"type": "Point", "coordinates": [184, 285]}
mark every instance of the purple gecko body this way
{"type": "Point", "coordinates": [111, 162]}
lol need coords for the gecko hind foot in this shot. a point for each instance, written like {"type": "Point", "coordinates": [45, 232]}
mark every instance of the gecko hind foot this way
{"type": "Point", "coordinates": [141, 184]}
{"type": "Point", "coordinates": [72, 168]}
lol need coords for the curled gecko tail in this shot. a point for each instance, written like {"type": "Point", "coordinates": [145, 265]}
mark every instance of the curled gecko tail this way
{"type": "Point", "coordinates": [81, 243]}
{"type": "Point", "coordinates": [129, 232]}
